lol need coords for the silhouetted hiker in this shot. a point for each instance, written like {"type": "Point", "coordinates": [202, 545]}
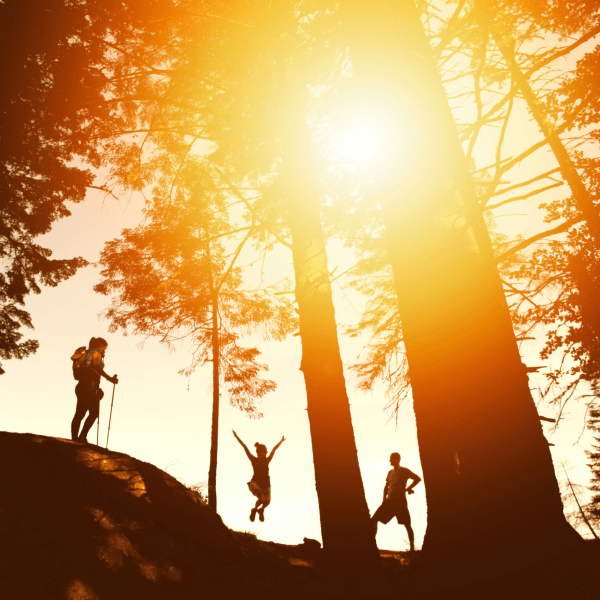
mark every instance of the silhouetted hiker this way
{"type": "Point", "coordinates": [260, 484]}
{"type": "Point", "coordinates": [394, 498]}
{"type": "Point", "coordinates": [88, 366]}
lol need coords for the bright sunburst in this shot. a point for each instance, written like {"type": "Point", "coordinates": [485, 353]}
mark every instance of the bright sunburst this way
{"type": "Point", "coordinates": [364, 138]}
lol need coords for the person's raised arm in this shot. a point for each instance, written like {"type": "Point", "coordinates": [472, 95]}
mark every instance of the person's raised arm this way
{"type": "Point", "coordinates": [415, 480]}
{"type": "Point", "coordinates": [248, 453]}
{"type": "Point", "coordinates": [276, 446]}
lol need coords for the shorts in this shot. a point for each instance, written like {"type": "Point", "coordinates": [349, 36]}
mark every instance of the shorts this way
{"type": "Point", "coordinates": [256, 489]}
{"type": "Point", "coordinates": [395, 507]}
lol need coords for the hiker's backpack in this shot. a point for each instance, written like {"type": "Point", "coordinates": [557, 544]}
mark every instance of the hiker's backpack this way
{"type": "Point", "coordinates": [78, 360]}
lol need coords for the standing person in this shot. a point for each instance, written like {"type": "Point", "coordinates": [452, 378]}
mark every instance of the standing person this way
{"type": "Point", "coordinates": [260, 484]}
{"type": "Point", "coordinates": [394, 498]}
{"type": "Point", "coordinates": [90, 368]}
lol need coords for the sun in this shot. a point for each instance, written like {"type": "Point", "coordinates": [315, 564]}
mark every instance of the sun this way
{"type": "Point", "coordinates": [363, 138]}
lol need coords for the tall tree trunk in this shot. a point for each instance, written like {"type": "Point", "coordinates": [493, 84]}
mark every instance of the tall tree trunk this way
{"type": "Point", "coordinates": [348, 537]}
{"type": "Point", "coordinates": [214, 435]}
{"type": "Point", "coordinates": [487, 467]}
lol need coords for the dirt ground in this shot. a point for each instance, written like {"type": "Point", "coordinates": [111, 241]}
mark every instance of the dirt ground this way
{"type": "Point", "coordinates": [78, 522]}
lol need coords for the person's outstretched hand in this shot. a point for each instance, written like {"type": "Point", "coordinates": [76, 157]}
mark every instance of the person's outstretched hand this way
{"type": "Point", "coordinates": [410, 491]}
{"type": "Point", "coordinates": [282, 439]}
{"type": "Point", "coordinates": [115, 379]}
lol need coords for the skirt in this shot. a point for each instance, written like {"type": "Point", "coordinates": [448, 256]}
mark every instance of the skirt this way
{"type": "Point", "coordinates": [256, 489]}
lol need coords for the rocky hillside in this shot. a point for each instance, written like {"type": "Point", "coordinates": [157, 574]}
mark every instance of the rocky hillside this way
{"type": "Point", "coordinates": [78, 522]}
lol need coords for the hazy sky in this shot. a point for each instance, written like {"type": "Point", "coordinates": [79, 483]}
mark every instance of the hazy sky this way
{"type": "Point", "coordinates": [157, 419]}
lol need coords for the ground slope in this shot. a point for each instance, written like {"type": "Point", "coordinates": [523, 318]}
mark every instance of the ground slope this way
{"type": "Point", "coordinates": [78, 522]}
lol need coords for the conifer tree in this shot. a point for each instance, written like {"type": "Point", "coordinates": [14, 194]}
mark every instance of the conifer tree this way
{"type": "Point", "coordinates": [49, 106]}
{"type": "Point", "coordinates": [57, 103]}
{"type": "Point", "coordinates": [475, 415]}
{"type": "Point", "coordinates": [198, 86]}
{"type": "Point", "coordinates": [571, 106]}
{"type": "Point", "coordinates": [173, 278]}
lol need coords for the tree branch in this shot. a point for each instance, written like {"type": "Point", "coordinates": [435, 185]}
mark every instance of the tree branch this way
{"type": "Point", "coordinates": [540, 236]}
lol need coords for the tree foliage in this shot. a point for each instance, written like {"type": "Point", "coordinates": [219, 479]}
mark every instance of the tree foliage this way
{"type": "Point", "coordinates": [55, 105]}
{"type": "Point", "coordinates": [223, 116]}
{"type": "Point", "coordinates": [488, 51]}
{"type": "Point", "coordinates": [164, 275]}
{"type": "Point", "coordinates": [199, 85]}
{"type": "Point", "coordinates": [560, 278]}
{"type": "Point", "coordinates": [47, 113]}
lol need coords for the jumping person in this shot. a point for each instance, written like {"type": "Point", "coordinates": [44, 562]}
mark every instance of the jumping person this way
{"type": "Point", "coordinates": [90, 367]}
{"type": "Point", "coordinates": [394, 498]}
{"type": "Point", "coordinates": [260, 484]}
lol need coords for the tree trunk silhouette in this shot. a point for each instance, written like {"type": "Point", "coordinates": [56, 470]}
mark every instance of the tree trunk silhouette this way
{"type": "Point", "coordinates": [348, 537]}
{"type": "Point", "coordinates": [214, 434]}
{"type": "Point", "coordinates": [487, 468]}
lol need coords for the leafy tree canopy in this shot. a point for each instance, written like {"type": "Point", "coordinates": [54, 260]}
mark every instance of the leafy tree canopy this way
{"type": "Point", "coordinates": [52, 110]}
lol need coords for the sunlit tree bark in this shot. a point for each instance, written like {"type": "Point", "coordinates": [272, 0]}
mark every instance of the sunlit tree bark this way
{"type": "Point", "coordinates": [348, 537]}
{"type": "Point", "coordinates": [487, 467]}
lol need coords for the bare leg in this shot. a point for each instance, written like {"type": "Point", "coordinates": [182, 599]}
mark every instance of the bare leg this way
{"type": "Point", "coordinates": [80, 410]}
{"type": "Point", "coordinates": [411, 536]}
{"type": "Point", "coordinates": [260, 500]}
{"type": "Point", "coordinates": [266, 500]}
{"type": "Point", "coordinates": [91, 400]}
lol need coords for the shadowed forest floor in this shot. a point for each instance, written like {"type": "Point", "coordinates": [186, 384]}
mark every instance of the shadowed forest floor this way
{"type": "Point", "coordinates": [78, 522]}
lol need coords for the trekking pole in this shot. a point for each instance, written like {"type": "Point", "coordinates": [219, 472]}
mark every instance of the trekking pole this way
{"type": "Point", "coordinates": [110, 417]}
{"type": "Point", "coordinates": [98, 427]}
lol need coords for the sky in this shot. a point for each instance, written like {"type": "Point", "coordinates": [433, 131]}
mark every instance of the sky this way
{"type": "Point", "coordinates": [162, 418]}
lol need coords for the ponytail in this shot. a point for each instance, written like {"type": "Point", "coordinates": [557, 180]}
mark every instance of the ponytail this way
{"type": "Point", "coordinates": [260, 448]}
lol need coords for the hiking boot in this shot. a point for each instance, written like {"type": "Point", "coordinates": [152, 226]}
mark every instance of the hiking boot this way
{"type": "Point", "coordinates": [83, 440]}
{"type": "Point", "coordinates": [253, 514]}
{"type": "Point", "coordinates": [261, 515]}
